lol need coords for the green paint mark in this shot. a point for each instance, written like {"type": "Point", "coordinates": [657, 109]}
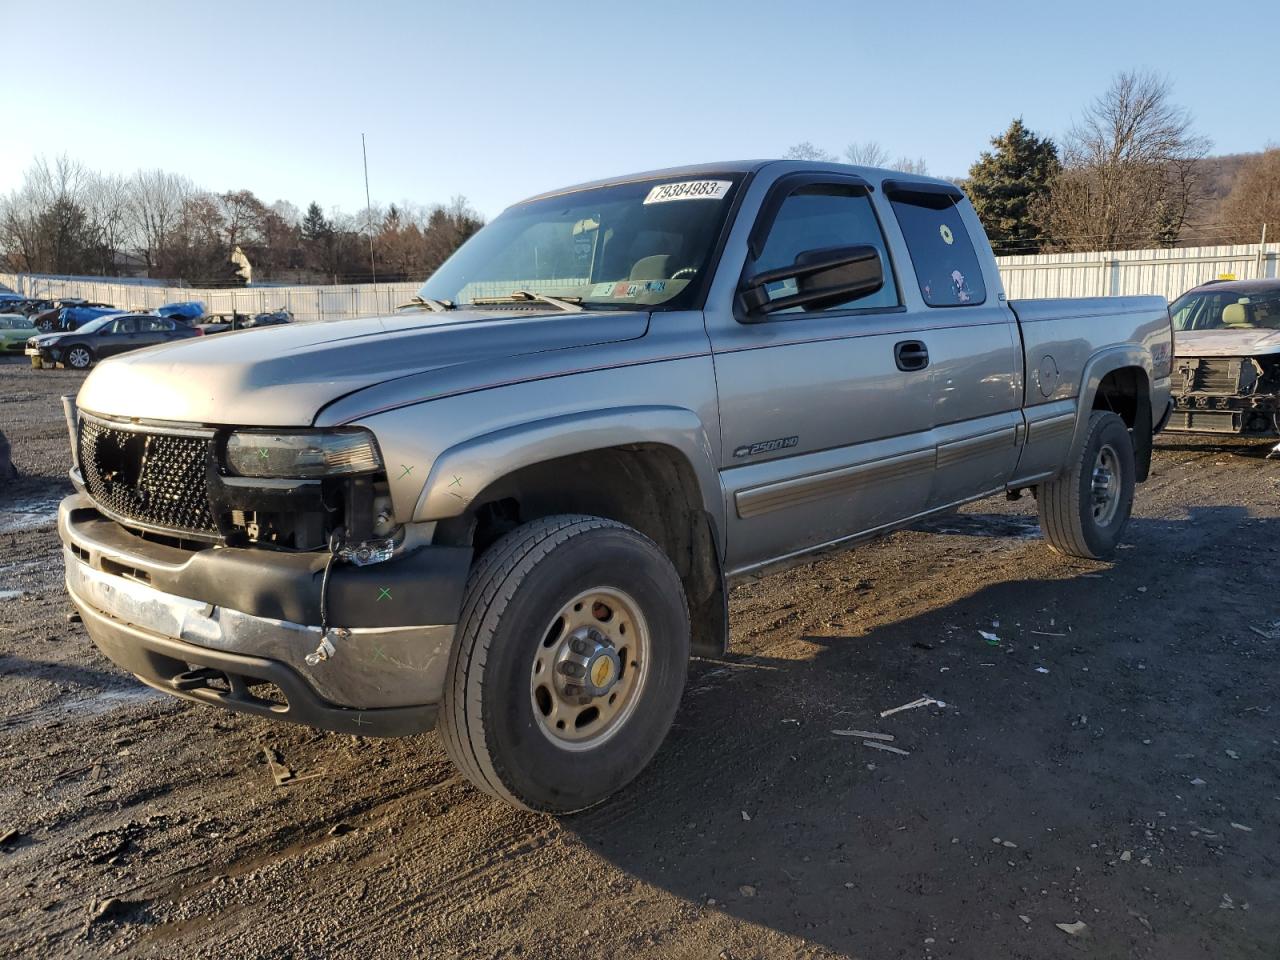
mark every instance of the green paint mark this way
{"type": "Point", "coordinates": [383, 592]}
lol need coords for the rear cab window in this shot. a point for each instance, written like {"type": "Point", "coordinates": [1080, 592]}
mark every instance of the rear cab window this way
{"type": "Point", "coordinates": [946, 264]}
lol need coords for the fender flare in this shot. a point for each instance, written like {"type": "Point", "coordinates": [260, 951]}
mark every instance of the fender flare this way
{"type": "Point", "coordinates": [1108, 360]}
{"type": "Point", "coordinates": [463, 471]}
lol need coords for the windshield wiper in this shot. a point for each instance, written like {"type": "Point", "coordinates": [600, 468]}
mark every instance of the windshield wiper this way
{"type": "Point", "coordinates": [567, 304]}
{"type": "Point", "coordinates": [435, 306]}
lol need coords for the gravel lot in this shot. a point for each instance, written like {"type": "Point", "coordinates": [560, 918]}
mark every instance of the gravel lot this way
{"type": "Point", "coordinates": [1111, 759]}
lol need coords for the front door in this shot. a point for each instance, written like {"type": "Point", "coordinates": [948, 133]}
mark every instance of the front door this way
{"type": "Point", "coordinates": [826, 414]}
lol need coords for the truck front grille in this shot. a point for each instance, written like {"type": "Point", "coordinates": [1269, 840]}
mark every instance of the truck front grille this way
{"type": "Point", "coordinates": [155, 479]}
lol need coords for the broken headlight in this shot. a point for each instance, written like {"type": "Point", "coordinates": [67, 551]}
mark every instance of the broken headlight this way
{"type": "Point", "coordinates": [303, 454]}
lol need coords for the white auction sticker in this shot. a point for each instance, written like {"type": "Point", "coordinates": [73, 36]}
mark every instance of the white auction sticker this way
{"type": "Point", "coordinates": [689, 190]}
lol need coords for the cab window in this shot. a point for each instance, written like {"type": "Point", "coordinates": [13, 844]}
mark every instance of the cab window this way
{"type": "Point", "coordinates": [946, 264]}
{"type": "Point", "coordinates": [816, 217]}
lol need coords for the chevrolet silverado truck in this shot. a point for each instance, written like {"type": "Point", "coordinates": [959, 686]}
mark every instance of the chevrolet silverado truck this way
{"type": "Point", "coordinates": [1227, 359]}
{"type": "Point", "coordinates": [510, 510]}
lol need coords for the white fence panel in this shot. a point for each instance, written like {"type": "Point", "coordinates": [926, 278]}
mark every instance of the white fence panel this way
{"type": "Point", "coordinates": [1164, 272]}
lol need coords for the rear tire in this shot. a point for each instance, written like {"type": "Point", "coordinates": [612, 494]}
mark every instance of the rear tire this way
{"type": "Point", "coordinates": [533, 714]}
{"type": "Point", "coordinates": [1083, 512]}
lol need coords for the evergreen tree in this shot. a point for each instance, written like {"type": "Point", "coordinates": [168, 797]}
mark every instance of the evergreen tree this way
{"type": "Point", "coordinates": [314, 225]}
{"type": "Point", "coordinates": [1008, 186]}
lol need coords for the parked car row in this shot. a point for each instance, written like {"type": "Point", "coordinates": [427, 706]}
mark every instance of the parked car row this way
{"type": "Point", "coordinates": [77, 334]}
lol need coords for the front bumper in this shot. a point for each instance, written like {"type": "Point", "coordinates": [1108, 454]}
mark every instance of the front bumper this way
{"type": "Point", "coordinates": [215, 625]}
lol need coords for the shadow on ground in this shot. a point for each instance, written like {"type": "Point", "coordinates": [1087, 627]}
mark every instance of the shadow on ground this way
{"type": "Point", "coordinates": [1017, 802]}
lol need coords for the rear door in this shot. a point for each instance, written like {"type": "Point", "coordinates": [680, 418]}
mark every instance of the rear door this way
{"type": "Point", "coordinates": [975, 352]}
{"type": "Point", "coordinates": [153, 330]}
{"type": "Point", "coordinates": [825, 414]}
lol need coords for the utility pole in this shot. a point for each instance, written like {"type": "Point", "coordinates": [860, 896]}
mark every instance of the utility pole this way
{"type": "Point", "coordinates": [368, 209]}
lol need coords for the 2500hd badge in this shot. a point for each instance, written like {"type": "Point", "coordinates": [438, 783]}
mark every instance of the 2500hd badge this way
{"type": "Point", "coordinates": [765, 446]}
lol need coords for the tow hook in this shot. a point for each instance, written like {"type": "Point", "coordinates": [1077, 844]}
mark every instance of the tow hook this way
{"type": "Point", "coordinates": [326, 650]}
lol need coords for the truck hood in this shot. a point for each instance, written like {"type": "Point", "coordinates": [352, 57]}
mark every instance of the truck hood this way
{"type": "Point", "coordinates": [284, 375]}
{"type": "Point", "coordinates": [1246, 342]}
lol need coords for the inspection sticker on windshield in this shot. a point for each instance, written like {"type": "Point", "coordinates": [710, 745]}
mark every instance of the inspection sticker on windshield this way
{"type": "Point", "coordinates": [689, 190]}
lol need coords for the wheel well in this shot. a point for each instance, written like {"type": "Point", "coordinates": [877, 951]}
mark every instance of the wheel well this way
{"type": "Point", "coordinates": [1127, 392]}
{"type": "Point", "coordinates": [650, 487]}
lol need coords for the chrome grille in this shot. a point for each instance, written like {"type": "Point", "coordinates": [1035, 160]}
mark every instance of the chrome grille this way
{"type": "Point", "coordinates": [156, 479]}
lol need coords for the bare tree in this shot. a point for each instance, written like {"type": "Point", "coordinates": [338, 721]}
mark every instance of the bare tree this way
{"type": "Point", "coordinates": [156, 207]}
{"type": "Point", "coordinates": [866, 154]}
{"type": "Point", "coordinates": [1254, 199]}
{"type": "Point", "coordinates": [106, 202]}
{"type": "Point", "coordinates": [907, 165]}
{"type": "Point", "coordinates": [1129, 172]}
{"type": "Point", "coordinates": [45, 227]}
{"type": "Point", "coordinates": [807, 151]}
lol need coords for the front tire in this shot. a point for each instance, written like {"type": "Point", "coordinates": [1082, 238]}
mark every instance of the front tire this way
{"type": "Point", "coordinates": [1083, 511]}
{"type": "Point", "coordinates": [80, 357]}
{"type": "Point", "coordinates": [569, 664]}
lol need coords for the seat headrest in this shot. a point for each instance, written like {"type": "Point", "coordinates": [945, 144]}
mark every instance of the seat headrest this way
{"type": "Point", "coordinates": [651, 268]}
{"type": "Point", "coordinates": [1233, 315]}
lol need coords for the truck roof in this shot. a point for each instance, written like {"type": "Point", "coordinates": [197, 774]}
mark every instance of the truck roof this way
{"type": "Point", "coordinates": [872, 174]}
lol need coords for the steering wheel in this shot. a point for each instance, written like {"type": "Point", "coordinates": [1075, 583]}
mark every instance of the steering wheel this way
{"type": "Point", "coordinates": [684, 272]}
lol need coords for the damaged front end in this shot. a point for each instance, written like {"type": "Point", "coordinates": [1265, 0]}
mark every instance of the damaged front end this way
{"type": "Point", "coordinates": [1228, 395]}
{"type": "Point", "coordinates": [217, 563]}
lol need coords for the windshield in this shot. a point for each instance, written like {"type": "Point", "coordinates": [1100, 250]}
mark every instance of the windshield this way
{"type": "Point", "coordinates": [636, 244]}
{"type": "Point", "coordinates": [96, 324]}
{"type": "Point", "coordinates": [1227, 310]}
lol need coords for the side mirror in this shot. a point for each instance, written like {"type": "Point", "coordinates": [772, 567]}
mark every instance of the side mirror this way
{"type": "Point", "coordinates": [823, 278]}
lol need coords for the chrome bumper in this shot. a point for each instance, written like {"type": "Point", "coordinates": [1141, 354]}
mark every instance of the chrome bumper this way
{"type": "Point", "coordinates": [371, 668]}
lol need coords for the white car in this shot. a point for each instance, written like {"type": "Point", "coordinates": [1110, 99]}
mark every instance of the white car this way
{"type": "Point", "coordinates": [1226, 345]}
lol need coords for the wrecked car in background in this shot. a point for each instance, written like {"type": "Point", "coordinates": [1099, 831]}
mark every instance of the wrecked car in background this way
{"type": "Point", "coordinates": [223, 322]}
{"type": "Point", "coordinates": [1227, 359]}
{"type": "Point", "coordinates": [104, 337]}
{"type": "Point", "coordinates": [515, 509]}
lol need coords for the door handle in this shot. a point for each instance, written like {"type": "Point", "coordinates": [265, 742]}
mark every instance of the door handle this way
{"type": "Point", "coordinates": [911, 355]}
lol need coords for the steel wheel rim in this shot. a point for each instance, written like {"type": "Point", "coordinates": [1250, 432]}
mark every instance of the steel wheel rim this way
{"type": "Point", "coordinates": [79, 358]}
{"type": "Point", "coordinates": [582, 721]}
{"type": "Point", "coordinates": [1105, 486]}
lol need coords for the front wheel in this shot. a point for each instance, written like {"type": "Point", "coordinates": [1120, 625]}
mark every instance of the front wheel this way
{"type": "Point", "coordinates": [569, 664]}
{"type": "Point", "coordinates": [79, 357]}
{"type": "Point", "coordinates": [1084, 510]}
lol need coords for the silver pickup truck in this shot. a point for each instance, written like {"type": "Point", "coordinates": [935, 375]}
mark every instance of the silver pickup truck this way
{"type": "Point", "coordinates": [511, 508]}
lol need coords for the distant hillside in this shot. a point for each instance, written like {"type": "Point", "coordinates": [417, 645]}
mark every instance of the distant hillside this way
{"type": "Point", "coordinates": [1217, 177]}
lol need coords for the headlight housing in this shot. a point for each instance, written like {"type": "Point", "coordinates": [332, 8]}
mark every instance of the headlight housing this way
{"type": "Point", "coordinates": [303, 454]}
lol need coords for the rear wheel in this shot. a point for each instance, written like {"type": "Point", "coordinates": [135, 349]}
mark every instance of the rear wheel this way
{"type": "Point", "coordinates": [79, 357]}
{"type": "Point", "coordinates": [569, 663]}
{"type": "Point", "coordinates": [1083, 512]}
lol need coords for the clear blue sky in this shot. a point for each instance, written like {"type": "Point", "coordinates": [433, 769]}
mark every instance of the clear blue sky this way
{"type": "Point", "coordinates": [498, 100]}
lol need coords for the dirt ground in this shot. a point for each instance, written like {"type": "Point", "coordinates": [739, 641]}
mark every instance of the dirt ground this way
{"type": "Point", "coordinates": [1110, 759]}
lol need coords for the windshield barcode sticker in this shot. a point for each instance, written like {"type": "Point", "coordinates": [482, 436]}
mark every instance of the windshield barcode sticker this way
{"type": "Point", "coordinates": [689, 190]}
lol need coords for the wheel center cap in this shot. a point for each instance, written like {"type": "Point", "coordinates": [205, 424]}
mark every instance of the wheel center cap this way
{"type": "Point", "coordinates": [588, 665]}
